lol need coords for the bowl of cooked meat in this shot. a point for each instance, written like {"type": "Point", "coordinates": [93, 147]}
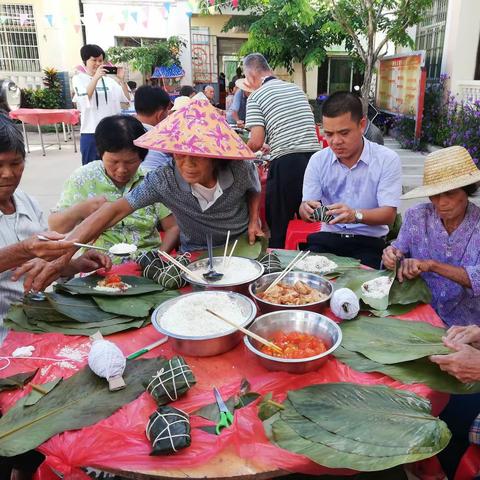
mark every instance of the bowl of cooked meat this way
{"type": "Point", "coordinates": [296, 291]}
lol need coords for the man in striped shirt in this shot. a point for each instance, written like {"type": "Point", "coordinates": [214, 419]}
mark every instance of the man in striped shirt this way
{"type": "Point", "coordinates": [278, 114]}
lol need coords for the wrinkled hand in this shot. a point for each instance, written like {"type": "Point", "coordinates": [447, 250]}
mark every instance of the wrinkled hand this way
{"type": "Point", "coordinates": [390, 256]}
{"type": "Point", "coordinates": [47, 250]}
{"type": "Point", "coordinates": [463, 364]}
{"type": "Point", "coordinates": [307, 208]}
{"type": "Point", "coordinates": [342, 213]}
{"type": "Point", "coordinates": [464, 335]}
{"type": "Point", "coordinates": [254, 231]}
{"type": "Point", "coordinates": [88, 262]}
{"type": "Point", "coordinates": [411, 268]}
{"type": "Point", "coordinates": [39, 274]}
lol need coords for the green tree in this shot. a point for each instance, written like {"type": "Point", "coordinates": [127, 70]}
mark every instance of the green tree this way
{"type": "Point", "coordinates": [285, 31]}
{"type": "Point", "coordinates": [370, 24]}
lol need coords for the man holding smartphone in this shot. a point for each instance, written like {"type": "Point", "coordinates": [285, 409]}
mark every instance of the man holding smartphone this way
{"type": "Point", "coordinates": [99, 93]}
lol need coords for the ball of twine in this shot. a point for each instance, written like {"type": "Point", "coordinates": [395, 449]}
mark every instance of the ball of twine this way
{"type": "Point", "coordinates": [106, 360]}
{"type": "Point", "coordinates": [344, 304]}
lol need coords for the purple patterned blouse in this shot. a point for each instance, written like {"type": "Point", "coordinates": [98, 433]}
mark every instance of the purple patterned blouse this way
{"type": "Point", "coordinates": [423, 236]}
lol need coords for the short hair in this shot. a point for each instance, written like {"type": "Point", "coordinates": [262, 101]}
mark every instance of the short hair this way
{"type": "Point", "coordinates": [206, 86]}
{"type": "Point", "coordinates": [186, 91]}
{"type": "Point", "coordinates": [239, 71]}
{"type": "Point", "coordinates": [91, 50]}
{"type": "Point", "coordinates": [470, 189]}
{"type": "Point", "coordinates": [132, 85]}
{"type": "Point", "coordinates": [340, 103]}
{"type": "Point", "coordinates": [257, 62]}
{"type": "Point", "coordinates": [11, 139]}
{"type": "Point", "coordinates": [149, 100]}
{"type": "Point", "coordinates": [117, 133]}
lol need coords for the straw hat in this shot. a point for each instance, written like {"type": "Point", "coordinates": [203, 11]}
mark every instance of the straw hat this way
{"type": "Point", "coordinates": [196, 129]}
{"type": "Point", "coordinates": [445, 170]}
{"type": "Point", "coordinates": [180, 102]}
{"type": "Point", "coordinates": [242, 84]}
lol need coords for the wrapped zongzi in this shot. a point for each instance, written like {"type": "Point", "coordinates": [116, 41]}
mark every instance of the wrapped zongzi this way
{"type": "Point", "coordinates": [168, 430]}
{"type": "Point", "coordinates": [172, 380]}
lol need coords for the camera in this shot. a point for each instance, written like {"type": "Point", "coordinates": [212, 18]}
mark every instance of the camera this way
{"type": "Point", "coordinates": [111, 70]}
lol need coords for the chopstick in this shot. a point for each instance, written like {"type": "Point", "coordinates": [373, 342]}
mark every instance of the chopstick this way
{"type": "Point", "coordinates": [225, 251]}
{"type": "Point", "coordinates": [247, 332]}
{"type": "Point", "coordinates": [288, 268]}
{"type": "Point", "coordinates": [181, 267]}
{"type": "Point", "coordinates": [231, 253]}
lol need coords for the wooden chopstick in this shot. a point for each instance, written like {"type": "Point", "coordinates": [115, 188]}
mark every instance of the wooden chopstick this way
{"type": "Point", "coordinates": [181, 267]}
{"type": "Point", "coordinates": [246, 332]}
{"type": "Point", "coordinates": [225, 251]}
{"type": "Point", "coordinates": [231, 252]}
{"type": "Point", "coordinates": [288, 268]}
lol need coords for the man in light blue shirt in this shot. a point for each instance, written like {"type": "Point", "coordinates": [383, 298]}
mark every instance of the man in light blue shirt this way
{"type": "Point", "coordinates": [360, 182]}
{"type": "Point", "coordinates": [151, 105]}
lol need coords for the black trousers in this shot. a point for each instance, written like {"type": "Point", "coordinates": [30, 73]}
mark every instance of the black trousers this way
{"type": "Point", "coordinates": [367, 249]}
{"type": "Point", "coordinates": [27, 462]}
{"type": "Point", "coordinates": [284, 193]}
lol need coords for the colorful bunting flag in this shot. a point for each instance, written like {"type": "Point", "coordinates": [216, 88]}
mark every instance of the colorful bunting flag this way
{"type": "Point", "coordinates": [189, 14]}
{"type": "Point", "coordinates": [167, 7]}
{"type": "Point", "coordinates": [212, 2]}
{"type": "Point", "coordinates": [145, 23]}
{"type": "Point", "coordinates": [99, 16]}
{"type": "Point", "coordinates": [235, 3]}
{"type": "Point", "coordinates": [23, 19]}
{"type": "Point", "coordinates": [125, 15]}
{"type": "Point", "coordinates": [122, 26]}
{"type": "Point", "coordinates": [49, 19]}
{"type": "Point", "coordinates": [77, 28]}
{"type": "Point", "coordinates": [134, 16]}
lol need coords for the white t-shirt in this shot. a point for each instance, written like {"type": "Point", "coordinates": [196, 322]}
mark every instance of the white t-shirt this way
{"type": "Point", "coordinates": [105, 100]}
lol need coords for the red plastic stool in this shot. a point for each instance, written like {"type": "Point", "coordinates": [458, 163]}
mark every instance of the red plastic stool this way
{"type": "Point", "coordinates": [469, 467]}
{"type": "Point", "coordinates": [320, 137]}
{"type": "Point", "coordinates": [298, 231]}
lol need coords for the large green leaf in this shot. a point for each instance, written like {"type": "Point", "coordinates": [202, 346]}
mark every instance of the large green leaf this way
{"type": "Point", "coordinates": [345, 264]}
{"type": "Point", "coordinates": [86, 286]}
{"type": "Point", "coordinates": [76, 307]}
{"type": "Point", "coordinates": [34, 396]}
{"type": "Point", "coordinates": [16, 381]}
{"type": "Point", "coordinates": [415, 371]}
{"type": "Point", "coordinates": [243, 249]}
{"type": "Point", "coordinates": [409, 292]}
{"type": "Point", "coordinates": [134, 306]}
{"type": "Point", "coordinates": [365, 428]}
{"type": "Point", "coordinates": [390, 340]}
{"type": "Point", "coordinates": [79, 401]}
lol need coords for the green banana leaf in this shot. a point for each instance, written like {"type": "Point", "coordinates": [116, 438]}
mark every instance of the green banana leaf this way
{"type": "Point", "coordinates": [86, 286]}
{"type": "Point", "coordinates": [415, 371]}
{"type": "Point", "coordinates": [243, 248]}
{"type": "Point", "coordinates": [134, 306]}
{"type": "Point", "coordinates": [409, 292]}
{"type": "Point", "coordinates": [345, 264]}
{"type": "Point", "coordinates": [394, 310]}
{"type": "Point", "coordinates": [390, 340]}
{"type": "Point", "coordinates": [16, 381]}
{"type": "Point", "coordinates": [79, 401]}
{"type": "Point", "coordinates": [79, 308]}
{"type": "Point", "coordinates": [33, 397]}
{"type": "Point", "coordinates": [366, 428]}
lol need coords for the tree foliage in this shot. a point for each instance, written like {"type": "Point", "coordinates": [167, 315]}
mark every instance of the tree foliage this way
{"type": "Point", "coordinates": [145, 58]}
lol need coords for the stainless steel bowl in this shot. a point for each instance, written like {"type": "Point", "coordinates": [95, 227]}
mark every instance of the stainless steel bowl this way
{"type": "Point", "coordinates": [206, 346]}
{"type": "Point", "coordinates": [241, 287]}
{"type": "Point", "coordinates": [294, 321]}
{"type": "Point", "coordinates": [311, 279]}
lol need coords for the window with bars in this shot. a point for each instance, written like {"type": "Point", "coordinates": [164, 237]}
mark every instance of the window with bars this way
{"type": "Point", "coordinates": [18, 39]}
{"type": "Point", "coordinates": [431, 37]}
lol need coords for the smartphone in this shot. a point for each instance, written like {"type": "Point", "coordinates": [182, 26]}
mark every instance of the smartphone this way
{"type": "Point", "coordinates": [111, 70]}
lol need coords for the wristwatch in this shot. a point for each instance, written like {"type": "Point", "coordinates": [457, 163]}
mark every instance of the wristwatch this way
{"type": "Point", "coordinates": [358, 216]}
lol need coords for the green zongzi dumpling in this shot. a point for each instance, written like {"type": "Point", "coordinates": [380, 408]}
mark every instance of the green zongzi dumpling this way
{"type": "Point", "coordinates": [170, 382]}
{"type": "Point", "coordinates": [168, 430]}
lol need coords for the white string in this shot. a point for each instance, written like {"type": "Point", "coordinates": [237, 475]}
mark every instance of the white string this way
{"type": "Point", "coordinates": [56, 360]}
{"type": "Point", "coordinates": [183, 419]}
{"type": "Point", "coordinates": [184, 368]}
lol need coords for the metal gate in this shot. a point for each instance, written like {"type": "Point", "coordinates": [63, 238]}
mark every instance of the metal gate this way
{"type": "Point", "coordinates": [204, 58]}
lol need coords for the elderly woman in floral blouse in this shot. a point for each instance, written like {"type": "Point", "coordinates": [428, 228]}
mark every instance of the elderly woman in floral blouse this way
{"type": "Point", "coordinates": [440, 241]}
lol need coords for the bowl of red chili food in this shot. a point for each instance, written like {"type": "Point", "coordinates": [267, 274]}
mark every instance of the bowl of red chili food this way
{"type": "Point", "coordinates": [306, 338]}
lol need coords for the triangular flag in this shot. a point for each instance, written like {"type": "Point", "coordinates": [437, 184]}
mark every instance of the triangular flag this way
{"type": "Point", "coordinates": [145, 23]}
{"type": "Point", "coordinates": [212, 2]}
{"type": "Point", "coordinates": [77, 28]}
{"type": "Point", "coordinates": [125, 15]}
{"type": "Point", "coordinates": [167, 7]}
{"type": "Point", "coordinates": [49, 19]}
{"type": "Point", "coordinates": [134, 16]}
{"type": "Point", "coordinates": [146, 11]}
{"type": "Point", "coordinates": [235, 3]}
{"type": "Point", "coordinates": [122, 26]}
{"type": "Point", "coordinates": [23, 19]}
{"type": "Point", "coordinates": [99, 16]}
{"type": "Point", "coordinates": [65, 20]}
{"type": "Point", "coordinates": [189, 14]}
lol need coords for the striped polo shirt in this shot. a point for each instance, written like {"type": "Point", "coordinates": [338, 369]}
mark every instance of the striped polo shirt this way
{"type": "Point", "coordinates": [27, 220]}
{"type": "Point", "coordinates": [282, 108]}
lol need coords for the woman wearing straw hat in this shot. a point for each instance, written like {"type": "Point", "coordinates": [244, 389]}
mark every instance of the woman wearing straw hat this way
{"type": "Point", "coordinates": [440, 241]}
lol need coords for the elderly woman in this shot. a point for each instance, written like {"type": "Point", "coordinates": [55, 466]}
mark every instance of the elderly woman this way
{"type": "Point", "coordinates": [110, 179]}
{"type": "Point", "coordinates": [440, 241]}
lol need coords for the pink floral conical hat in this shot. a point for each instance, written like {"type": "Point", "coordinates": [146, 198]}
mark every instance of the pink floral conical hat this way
{"type": "Point", "coordinates": [196, 129]}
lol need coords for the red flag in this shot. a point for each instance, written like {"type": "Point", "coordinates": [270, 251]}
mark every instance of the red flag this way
{"type": "Point", "coordinates": [99, 16]}
{"type": "Point", "coordinates": [212, 2]}
{"type": "Point", "coordinates": [77, 28]}
{"type": "Point", "coordinates": [235, 3]}
{"type": "Point", "coordinates": [122, 26]}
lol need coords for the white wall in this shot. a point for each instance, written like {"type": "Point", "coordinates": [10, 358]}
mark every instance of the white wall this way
{"type": "Point", "coordinates": [152, 21]}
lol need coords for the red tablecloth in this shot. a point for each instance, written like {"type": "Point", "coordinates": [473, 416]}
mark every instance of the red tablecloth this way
{"type": "Point", "coordinates": [40, 116]}
{"type": "Point", "coordinates": [119, 443]}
